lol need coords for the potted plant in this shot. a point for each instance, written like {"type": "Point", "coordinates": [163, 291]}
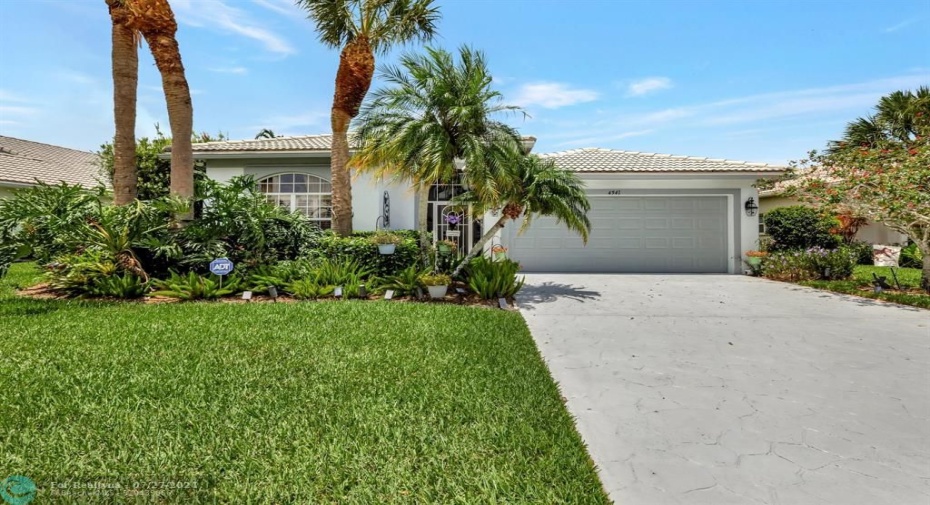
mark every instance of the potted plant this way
{"type": "Point", "coordinates": [754, 258]}
{"type": "Point", "coordinates": [445, 246]}
{"type": "Point", "coordinates": [386, 241]}
{"type": "Point", "coordinates": [499, 252]}
{"type": "Point", "coordinates": [437, 284]}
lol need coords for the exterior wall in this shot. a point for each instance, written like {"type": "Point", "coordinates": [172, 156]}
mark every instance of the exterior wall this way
{"type": "Point", "coordinates": [367, 193]}
{"type": "Point", "coordinates": [5, 192]}
{"type": "Point", "coordinates": [743, 230]}
{"type": "Point", "coordinates": [873, 233]}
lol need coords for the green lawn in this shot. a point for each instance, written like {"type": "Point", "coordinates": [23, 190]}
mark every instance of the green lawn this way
{"type": "Point", "coordinates": [329, 402]}
{"type": "Point", "coordinates": [861, 285]}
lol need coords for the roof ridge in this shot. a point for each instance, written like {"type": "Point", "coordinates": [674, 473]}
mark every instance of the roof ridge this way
{"type": "Point", "coordinates": [279, 137]}
{"type": "Point", "coordinates": [655, 155]}
{"type": "Point", "coordinates": [46, 144]}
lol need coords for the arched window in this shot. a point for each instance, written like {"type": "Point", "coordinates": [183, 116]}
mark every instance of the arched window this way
{"type": "Point", "coordinates": [304, 193]}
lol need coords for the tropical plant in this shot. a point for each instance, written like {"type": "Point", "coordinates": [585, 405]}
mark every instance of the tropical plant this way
{"type": "Point", "coordinates": [406, 281]}
{"type": "Point", "coordinates": [800, 227]}
{"type": "Point", "coordinates": [309, 289]}
{"type": "Point", "coordinates": [436, 114]}
{"type": "Point", "coordinates": [491, 279]}
{"type": "Point", "coordinates": [265, 133]}
{"type": "Point", "coordinates": [195, 287]}
{"type": "Point", "coordinates": [125, 62]}
{"type": "Point", "coordinates": [530, 187]}
{"type": "Point", "coordinates": [125, 286]}
{"type": "Point", "coordinates": [345, 272]}
{"type": "Point", "coordinates": [898, 120]}
{"type": "Point", "coordinates": [362, 29]}
{"type": "Point", "coordinates": [910, 257]}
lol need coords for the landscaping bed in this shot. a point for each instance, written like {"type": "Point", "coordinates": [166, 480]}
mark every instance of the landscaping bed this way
{"type": "Point", "coordinates": [861, 284]}
{"type": "Point", "coordinates": [342, 402]}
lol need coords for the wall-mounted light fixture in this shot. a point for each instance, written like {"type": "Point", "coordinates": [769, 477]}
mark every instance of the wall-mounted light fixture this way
{"type": "Point", "coordinates": [751, 207]}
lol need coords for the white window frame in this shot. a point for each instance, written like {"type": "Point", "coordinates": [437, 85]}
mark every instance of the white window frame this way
{"type": "Point", "coordinates": [284, 193]}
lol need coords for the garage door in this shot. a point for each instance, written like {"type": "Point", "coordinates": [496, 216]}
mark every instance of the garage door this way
{"type": "Point", "coordinates": [680, 234]}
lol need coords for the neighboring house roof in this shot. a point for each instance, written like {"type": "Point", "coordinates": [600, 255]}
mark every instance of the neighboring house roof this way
{"type": "Point", "coordinates": [22, 162]}
{"type": "Point", "coordinates": [611, 160]}
{"type": "Point", "coordinates": [780, 187]}
{"type": "Point", "coordinates": [301, 143]}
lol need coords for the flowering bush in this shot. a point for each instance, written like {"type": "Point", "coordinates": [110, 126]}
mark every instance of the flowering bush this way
{"type": "Point", "coordinates": [809, 264]}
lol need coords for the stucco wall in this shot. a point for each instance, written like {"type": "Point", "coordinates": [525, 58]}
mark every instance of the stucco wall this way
{"type": "Point", "coordinates": [367, 192]}
{"type": "Point", "coordinates": [873, 233]}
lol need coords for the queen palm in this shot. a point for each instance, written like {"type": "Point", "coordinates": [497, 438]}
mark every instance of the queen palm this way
{"type": "Point", "coordinates": [125, 61]}
{"type": "Point", "coordinates": [530, 188]}
{"type": "Point", "coordinates": [362, 28]}
{"type": "Point", "coordinates": [897, 119]}
{"type": "Point", "coordinates": [437, 112]}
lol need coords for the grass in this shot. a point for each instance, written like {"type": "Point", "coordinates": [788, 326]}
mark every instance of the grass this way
{"type": "Point", "coordinates": [861, 285]}
{"type": "Point", "coordinates": [330, 402]}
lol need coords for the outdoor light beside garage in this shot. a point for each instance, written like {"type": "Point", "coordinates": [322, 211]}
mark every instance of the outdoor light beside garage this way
{"type": "Point", "coordinates": [650, 213]}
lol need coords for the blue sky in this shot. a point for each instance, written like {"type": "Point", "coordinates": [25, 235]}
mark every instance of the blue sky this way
{"type": "Point", "coordinates": [750, 80]}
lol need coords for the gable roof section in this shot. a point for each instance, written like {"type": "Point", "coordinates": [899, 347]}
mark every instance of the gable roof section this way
{"type": "Point", "coordinates": [595, 160]}
{"type": "Point", "coordinates": [22, 162]}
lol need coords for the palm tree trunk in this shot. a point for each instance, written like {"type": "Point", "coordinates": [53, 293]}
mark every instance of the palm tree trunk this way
{"type": "Point", "coordinates": [479, 246]}
{"type": "Point", "coordinates": [356, 69]}
{"type": "Point", "coordinates": [159, 28]}
{"type": "Point", "coordinates": [125, 61]}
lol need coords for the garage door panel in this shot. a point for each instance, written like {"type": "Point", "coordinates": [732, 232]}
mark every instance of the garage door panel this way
{"type": "Point", "coordinates": [632, 234]}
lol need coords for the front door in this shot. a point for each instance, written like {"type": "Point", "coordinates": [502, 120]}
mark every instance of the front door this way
{"type": "Point", "coordinates": [448, 222]}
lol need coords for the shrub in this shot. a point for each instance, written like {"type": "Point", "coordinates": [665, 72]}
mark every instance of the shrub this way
{"type": "Point", "coordinates": [120, 286]}
{"type": "Point", "coordinates": [360, 248]}
{"type": "Point", "coordinates": [309, 289]}
{"type": "Point", "coordinates": [406, 281]}
{"type": "Point", "coordinates": [492, 279]}
{"type": "Point", "coordinates": [436, 279]}
{"type": "Point", "coordinates": [800, 227]}
{"type": "Point", "coordinates": [809, 264]}
{"type": "Point", "coordinates": [861, 251]}
{"type": "Point", "coordinates": [195, 287]}
{"type": "Point", "coordinates": [911, 257]}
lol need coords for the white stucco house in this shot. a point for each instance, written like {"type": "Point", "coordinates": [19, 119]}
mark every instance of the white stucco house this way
{"type": "Point", "coordinates": [651, 213]}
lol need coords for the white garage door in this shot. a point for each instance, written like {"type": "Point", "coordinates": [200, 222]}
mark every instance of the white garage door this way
{"type": "Point", "coordinates": [656, 234]}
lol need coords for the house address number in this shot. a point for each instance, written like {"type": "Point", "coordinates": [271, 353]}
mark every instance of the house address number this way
{"type": "Point", "coordinates": [613, 192]}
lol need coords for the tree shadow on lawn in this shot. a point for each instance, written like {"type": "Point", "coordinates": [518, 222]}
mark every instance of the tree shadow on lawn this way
{"type": "Point", "coordinates": [862, 301]}
{"type": "Point", "coordinates": [548, 292]}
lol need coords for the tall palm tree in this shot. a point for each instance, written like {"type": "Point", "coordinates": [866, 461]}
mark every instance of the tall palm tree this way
{"type": "Point", "coordinates": [265, 133]}
{"type": "Point", "coordinates": [361, 28]}
{"type": "Point", "coordinates": [437, 112]}
{"type": "Point", "coordinates": [125, 60]}
{"type": "Point", "coordinates": [897, 119]}
{"type": "Point", "coordinates": [157, 24]}
{"type": "Point", "coordinates": [530, 188]}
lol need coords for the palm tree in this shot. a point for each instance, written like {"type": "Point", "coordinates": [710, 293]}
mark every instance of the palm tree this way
{"type": "Point", "coordinates": [157, 24]}
{"type": "Point", "coordinates": [125, 61]}
{"type": "Point", "coordinates": [897, 119]}
{"type": "Point", "coordinates": [529, 188]}
{"type": "Point", "coordinates": [361, 28]}
{"type": "Point", "coordinates": [437, 113]}
{"type": "Point", "coordinates": [265, 133]}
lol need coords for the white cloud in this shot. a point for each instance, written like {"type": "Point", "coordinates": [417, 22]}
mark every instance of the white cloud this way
{"type": "Point", "coordinates": [216, 13]}
{"type": "Point", "coordinates": [902, 24]}
{"type": "Point", "coordinates": [283, 7]}
{"type": "Point", "coordinates": [552, 95]}
{"type": "Point", "coordinates": [281, 124]}
{"type": "Point", "coordinates": [230, 70]}
{"type": "Point", "coordinates": [648, 85]}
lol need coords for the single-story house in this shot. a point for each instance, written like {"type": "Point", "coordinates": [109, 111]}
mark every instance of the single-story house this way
{"type": "Point", "coordinates": [777, 196]}
{"type": "Point", "coordinates": [23, 162]}
{"type": "Point", "coordinates": [651, 213]}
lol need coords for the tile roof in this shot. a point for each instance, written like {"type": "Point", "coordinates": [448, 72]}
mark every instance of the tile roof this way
{"type": "Point", "coordinates": [295, 143]}
{"type": "Point", "coordinates": [24, 162]}
{"type": "Point", "coordinates": [320, 142]}
{"type": "Point", "coordinates": [610, 160]}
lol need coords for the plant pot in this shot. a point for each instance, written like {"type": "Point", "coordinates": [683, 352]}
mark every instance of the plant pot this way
{"type": "Point", "coordinates": [754, 261]}
{"type": "Point", "coordinates": [436, 292]}
{"type": "Point", "coordinates": [387, 248]}
{"type": "Point", "coordinates": [500, 256]}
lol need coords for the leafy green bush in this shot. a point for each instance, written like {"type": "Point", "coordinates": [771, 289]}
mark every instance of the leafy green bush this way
{"type": "Point", "coordinates": [492, 279]}
{"type": "Point", "coordinates": [125, 286]}
{"type": "Point", "coordinates": [360, 248]}
{"type": "Point", "coordinates": [810, 264]}
{"type": "Point", "coordinates": [861, 251]}
{"type": "Point", "coordinates": [94, 273]}
{"type": "Point", "coordinates": [405, 282]}
{"type": "Point", "coordinates": [800, 227]}
{"type": "Point", "coordinates": [911, 257]}
{"type": "Point", "coordinates": [309, 289]}
{"type": "Point", "coordinates": [195, 287]}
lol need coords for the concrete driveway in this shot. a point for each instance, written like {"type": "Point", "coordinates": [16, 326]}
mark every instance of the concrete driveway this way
{"type": "Point", "coordinates": [728, 389]}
